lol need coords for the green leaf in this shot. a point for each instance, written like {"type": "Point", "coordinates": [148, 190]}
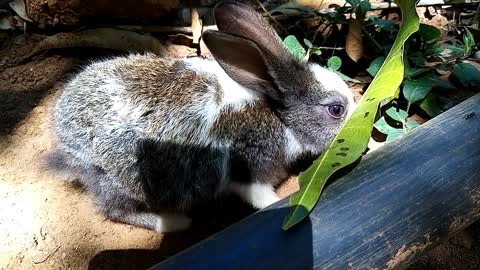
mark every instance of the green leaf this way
{"type": "Point", "coordinates": [414, 72]}
{"type": "Point", "coordinates": [352, 139]}
{"type": "Point", "coordinates": [417, 59]}
{"type": "Point", "coordinates": [441, 83]}
{"type": "Point", "coordinates": [353, 3]}
{"type": "Point", "coordinates": [430, 105]}
{"type": "Point", "coordinates": [394, 134]}
{"type": "Point", "coordinates": [448, 52]}
{"type": "Point", "coordinates": [362, 9]}
{"type": "Point", "coordinates": [295, 48]}
{"type": "Point", "coordinates": [415, 90]}
{"type": "Point", "coordinates": [375, 65]}
{"type": "Point", "coordinates": [308, 43]}
{"type": "Point", "coordinates": [432, 48]}
{"type": "Point", "coordinates": [466, 74]}
{"type": "Point", "coordinates": [468, 42]}
{"type": "Point", "coordinates": [397, 114]}
{"type": "Point", "coordinates": [410, 124]}
{"type": "Point", "coordinates": [391, 132]}
{"type": "Point", "coordinates": [292, 9]}
{"type": "Point", "coordinates": [334, 63]}
{"type": "Point", "coordinates": [428, 32]}
{"type": "Point", "coordinates": [314, 50]}
{"type": "Point", "coordinates": [382, 125]}
{"type": "Point", "coordinates": [387, 25]}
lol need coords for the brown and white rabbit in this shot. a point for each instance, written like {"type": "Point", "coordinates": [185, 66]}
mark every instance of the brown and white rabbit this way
{"type": "Point", "coordinates": [151, 136]}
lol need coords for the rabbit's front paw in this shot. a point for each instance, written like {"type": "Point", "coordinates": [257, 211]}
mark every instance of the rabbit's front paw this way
{"type": "Point", "coordinates": [258, 194]}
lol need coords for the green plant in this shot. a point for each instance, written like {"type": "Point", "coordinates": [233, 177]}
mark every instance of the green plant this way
{"type": "Point", "coordinates": [420, 79]}
{"type": "Point", "coordinates": [302, 55]}
{"type": "Point", "coordinates": [399, 116]}
{"type": "Point", "coordinates": [352, 139]}
{"type": "Point", "coordinates": [428, 61]}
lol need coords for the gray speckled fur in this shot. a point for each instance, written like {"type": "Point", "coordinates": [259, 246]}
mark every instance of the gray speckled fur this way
{"type": "Point", "coordinates": [138, 132]}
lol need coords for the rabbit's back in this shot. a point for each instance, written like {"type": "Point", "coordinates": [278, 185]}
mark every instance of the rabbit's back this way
{"type": "Point", "coordinates": [177, 99]}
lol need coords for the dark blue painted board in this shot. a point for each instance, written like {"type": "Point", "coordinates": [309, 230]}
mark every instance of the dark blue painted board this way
{"type": "Point", "coordinates": [399, 202]}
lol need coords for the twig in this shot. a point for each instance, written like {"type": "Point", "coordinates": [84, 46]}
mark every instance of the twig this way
{"type": "Point", "coordinates": [318, 30]}
{"type": "Point", "coordinates": [47, 257]}
{"type": "Point", "coordinates": [271, 17]}
{"type": "Point", "coordinates": [329, 32]}
{"type": "Point", "coordinates": [331, 48]}
{"type": "Point", "coordinates": [372, 39]}
{"type": "Point", "coordinates": [160, 29]}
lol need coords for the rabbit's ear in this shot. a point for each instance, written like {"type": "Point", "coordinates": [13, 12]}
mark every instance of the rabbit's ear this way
{"type": "Point", "coordinates": [240, 19]}
{"type": "Point", "coordinates": [242, 60]}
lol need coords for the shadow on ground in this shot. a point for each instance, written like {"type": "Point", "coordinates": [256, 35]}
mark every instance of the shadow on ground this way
{"type": "Point", "coordinates": [240, 246]}
{"type": "Point", "coordinates": [206, 220]}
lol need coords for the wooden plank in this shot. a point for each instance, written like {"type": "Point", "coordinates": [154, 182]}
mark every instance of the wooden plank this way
{"type": "Point", "coordinates": [398, 203]}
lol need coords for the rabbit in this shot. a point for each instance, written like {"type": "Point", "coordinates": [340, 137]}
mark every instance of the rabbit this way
{"type": "Point", "coordinates": [152, 136]}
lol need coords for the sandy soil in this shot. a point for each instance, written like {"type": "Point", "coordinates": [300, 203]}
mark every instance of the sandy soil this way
{"type": "Point", "coordinates": [47, 224]}
{"type": "Point", "coordinates": [73, 12]}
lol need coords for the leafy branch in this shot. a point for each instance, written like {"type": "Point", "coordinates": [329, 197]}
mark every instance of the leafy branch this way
{"type": "Point", "coordinates": [352, 139]}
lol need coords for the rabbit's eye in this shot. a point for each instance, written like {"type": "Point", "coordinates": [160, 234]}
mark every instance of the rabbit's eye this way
{"type": "Point", "coordinates": [336, 111]}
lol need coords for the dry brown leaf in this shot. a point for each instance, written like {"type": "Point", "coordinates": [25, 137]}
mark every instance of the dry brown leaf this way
{"type": "Point", "coordinates": [434, 16]}
{"type": "Point", "coordinates": [353, 44]}
{"type": "Point", "coordinates": [417, 118]}
{"type": "Point", "coordinates": [108, 38]}
{"type": "Point", "coordinates": [314, 4]}
{"type": "Point", "coordinates": [19, 7]}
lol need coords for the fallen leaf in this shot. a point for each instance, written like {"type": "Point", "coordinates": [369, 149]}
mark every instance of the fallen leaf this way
{"type": "Point", "coordinates": [108, 38]}
{"type": "Point", "coordinates": [315, 4]}
{"type": "Point", "coordinates": [19, 7]}
{"type": "Point", "coordinates": [417, 118]}
{"type": "Point", "coordinates": [354, 45]}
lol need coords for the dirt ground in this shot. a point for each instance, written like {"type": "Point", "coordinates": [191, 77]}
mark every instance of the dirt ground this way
{"type": "Point", "coordinates": [47, 224]}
